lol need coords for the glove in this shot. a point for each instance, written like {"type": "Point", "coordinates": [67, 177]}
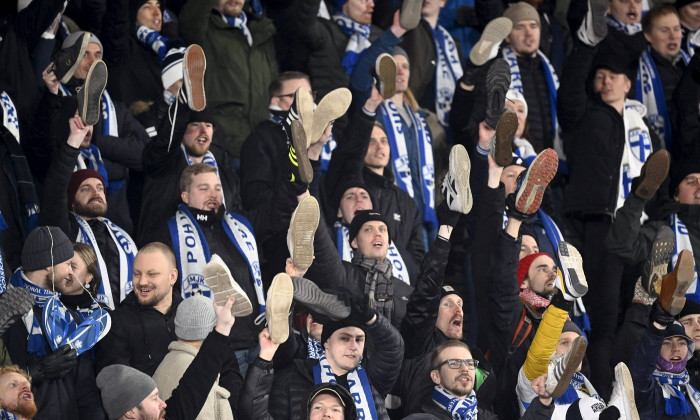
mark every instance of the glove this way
{"type": "Point", "coordinates": [659, 315]}
{"type": "Point", "coordinates": [54, 365]}
{"type": "Point", "coordinates": [471, 73]}
{"type": "Point", "coordinates": [446, 216]}
{"type": "Point", "coordinates": [360, 309]}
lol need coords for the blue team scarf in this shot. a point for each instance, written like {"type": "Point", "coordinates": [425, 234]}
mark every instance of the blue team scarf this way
{"type": "Point", "coordinates": [239, 22]}
{"type": "Point", "coordinates": [192, 251]}
{"type": "Point", "coordinates": [397, 143]}
{"type": "Point", "coordinates": [676, 403]}
{"type": "Point", "coordinates": [447, 71]}
{"type": "Point", "coordinates": [110, 127]}
{"type": "Point", "coordinates": [650, 92]}
{"type": "Point", "coordinates": [127, 252]}
{"type": "Point", "coordinates": [9, 115]}
{"type": "Point", "coordinates": [628, 28]}
{"type": "Point", "coordinates": [358, 42]}
{"type": "Point", "coordinates": [314, 349]}
{"type": "Point", "coordinates": [458, 408]}
{"type": "Point", "coordinates": [91, 158]}
{"type": "Point", "coordinates": [359, 385]}
{"type": "Point", "coordinates": [691, 40]}
{"type": "Point", "coordinates": [578, 383]}
{"type": "Point", "coordinates": [550, 76]}
{"type": "Point", "coordinates": [680, 231]}
{"type": "Point", "coordinates": [153, 39]}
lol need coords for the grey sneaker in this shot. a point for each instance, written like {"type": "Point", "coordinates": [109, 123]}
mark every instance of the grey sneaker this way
{"type": "Point", "coordinates": [90, 93]}
{"type": "Point", "coordinates": [279, 301]}
{"type": "Point", "coordinates": [302, 228]}
{"type": "Point", "coordinates": [572, 281]}
{"type": "Point", "coordinates": [455, 186]}
{"type": "Point", "coordinates": [193, 68]}
{"type": "Point", "coordinates": [599, 8]}
{"type": "Point", "coordinates": [330, 108]}
{"type": "Point", "coordinates": [310, 295]}
{"type": "Point", "coordinates": [14, 303]}
{"type": "Point", "coordinates": [410, 14]}
{"type": "Point", "coordinates": [562, 367]}
{"type": "Point", "coordinates": [219, 279]}
{"type": "Point", "coordinates": [502, 139]}
{"type": "Point", "coordinates": [494, 33]}
{"type": "Point", "coordinates": [66, 60]}
{"type": "Point", "coordinates": [656, 265]}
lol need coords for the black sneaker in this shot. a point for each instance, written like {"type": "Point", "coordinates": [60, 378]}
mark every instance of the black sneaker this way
{"type": "Point", "coordinates": [497, 83]}
{"type": "Point", "coordinates": [311, 296]}
{"type": "Point", "coordinates": [90, 93]}
{"type": "Point", "coordinates": [302, 172]}
{"type": "Point", "coordinates": [66, 60]}
{"type": "Point", "coordinates": [656, 265]}
{"type": "Point", "coordinates": [302, 110]}
{"type": "Point", "coordinates": [14, 303]}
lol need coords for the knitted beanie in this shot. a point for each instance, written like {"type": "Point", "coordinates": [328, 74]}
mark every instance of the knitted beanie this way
{"type": "Point", "coordinates": [682, 168]}
{"type": "Point", "coordinates": [77, 179]}
{"type": "Point", "coordinates": [73, 38]}
{"type": "Point", "coordinates": [123, 388]}
{"type": "Point", "coordinates": [195, 318]}
{"type": "Point", "coordinates": [362, 217]}
{"type": "Point", "coordinates": [521, 11]}
{"type": "Point", "coordinates": [172, 67]}
{"type": "Point", "coordinates": [330, 327]}
{"type": "Point", "coordinates": [447, 290]}
{"type": "Point", "coordinates": [524, 265]}
{"type": "Point", "coordinates": [682, 3]}
{"type": "Point", "coordinates": [44, 247]}
{"type": "Point", "coordinates": [514, 95]}
{"type": "Point", "coordinates": [400, 51]}
{"type": "Point", "coordinates": [571, 326]}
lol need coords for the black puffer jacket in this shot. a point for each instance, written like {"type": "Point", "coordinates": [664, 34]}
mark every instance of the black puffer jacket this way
{"type": "Point", "coordinates": [291, 385]}
{"type": "Point", "coordinates": [422, 336]}
{"type": "Point", "coordinates": [139, 336]}
{"type": "Point", "coordinates": [262, 161]}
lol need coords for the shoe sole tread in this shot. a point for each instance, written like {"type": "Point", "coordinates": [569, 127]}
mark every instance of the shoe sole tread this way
{"type": "Point", "coordinates": [310, 295]}
{"type": "Point", "coordinates": [572, 262]}
{"type": "Point", "coordinates": [538, 176]}
{"type": "Point", "coordinates": [89, 97]}
{"type": "Point", "coordinates": [279, 301]}
{"type": "Point", "coordinates": [386, 71]}
{"type": "Point", "coordinates": [676, 283]}
{"type": "Point", "coordinates": [300, 142]}
{"type": "Point", "coordinates": [221, 287]}
{"type": "Point", "coordinates": [505, 131]}
{"type": "Point", "coordinates": [302, 229]}
{"type": "Point", "coordinates": [495, 32]}
{"type": "Point", "coordinates": [195, 66]}
{"type": "Point", "coordinates": [410, 14]}
{"type": "Point", "coordinates": [575, 356]}
{"type": "Point", "coordinates": [460, 166]}
{"type": "Point", "coordinates": [330, 108]}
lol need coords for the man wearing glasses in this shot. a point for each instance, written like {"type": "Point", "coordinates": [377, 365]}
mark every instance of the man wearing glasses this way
{"type": "Point", "coordinates": [453, 396]}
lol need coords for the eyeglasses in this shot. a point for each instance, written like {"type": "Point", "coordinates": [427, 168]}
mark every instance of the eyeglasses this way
{"type": "Point", "coordinates": [471, 364]}
{"type": "Point", "coordinates": [291, 95]}
{"type": "Point", "coordinates": [692, 180]}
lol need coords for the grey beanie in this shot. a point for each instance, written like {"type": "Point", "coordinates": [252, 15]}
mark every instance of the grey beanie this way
{"type": "Point", "coordinates": [123, 388]}
{"type": "Point", "coordinates": [195, 318]}
{"type": "Point", "coordinates": [73, 38]}
{"type": "Point", "coordinates": [521, 10]}
{"type": "Point", "coordinates": [44, 247]}
{"type": "Point", "coordinates": [400, 51]}
{"type": "Point", "coordinates": [571, 326]}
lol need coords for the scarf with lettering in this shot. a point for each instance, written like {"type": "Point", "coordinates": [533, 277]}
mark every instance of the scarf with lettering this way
{"type": "Point", "coordinates": [192, 250]}
{"type": "Point", "coordinates": [358, 42]}
{"type": "Point", "coordinates": [447, 71]}
{"type": "Point", "coordinates": [127, 252]}
{"type": "Point", "coordinates": [359, 385]}
{"type": "Point", "coordinates": [458, 408]}
{"type": "Point", "coordinates": [314, 349]}
{"type": "Point", "coordinates": [240, 22]}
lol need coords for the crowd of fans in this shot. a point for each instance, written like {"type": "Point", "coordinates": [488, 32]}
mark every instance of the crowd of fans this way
{"type": "Point", "coordinates": [349, 209]}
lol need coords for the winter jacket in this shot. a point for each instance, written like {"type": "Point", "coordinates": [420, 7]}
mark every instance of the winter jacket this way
{"type": "Point", "coordinates": [594, 140]}
{"type": "Point", "coordinates": [139, 336]}
{"type": "Point", "coordinates": [170, 371]}
{"type": "Point", "coordinates": [430, 411]}
{"type": "Point", "coordinates": [648, 394]}
{"type": "Point", "coordinates": [422, 336]}
{"type": "Point", "coordinates": [163, 164]}
{"type": "Point", "coordinates": [74, 396]}
{"type": "Point", "coordinates": [56, 213]}
{"type": "Point", "coordinates": [291, 385]}
{"type": "Point", "coordinates": [238, 75]}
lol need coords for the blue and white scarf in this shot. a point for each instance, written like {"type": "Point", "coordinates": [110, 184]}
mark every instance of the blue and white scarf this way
{"type": "Point", "coordinates": [91, 158]}
{"type": "Point", "coordinates": [550, 76]}
{"type": "Point", "coordinates": [342, 243]}
{"type": "Point", "coordinates": [110, 126]}
{"type": "Point", "coordinates": [358, 42]}
{"type": "Point", "coordinates": [192, 251]}
{"type": "Point", "coordinates": [9, 115]}
{"type": "Point", "coordinates": [59, 326]}
{"type": "Point", "coordinates": [637, 149]}
{"type": "Point", "coordinates": [627, 28]}
{"type": "Point", "coordinates": [127, 252]}
{"type": "Point", "coordinates": [240, 22]}
{"type": "Point", "coordinates": [578, 383]}
{"type": "Point", "coordinates": [154, 39]}
{"type": "Point", "coordinates": [359, 385]}
{"type": "Point", "coordinates": [209, 159]}
{"type": "Point", "coordinates": [4, 415]}
{"type": "Point", "coordinates": [691, 40]}
{"type": "Point", "coordinates": [397, 142]}
{"type": "Point", "coordinates": [650, 91]}
{"type": "Point", "coordinates": [676, 403]}
{"type": "Point", "coordinates": [458, 408]}
{"type": "Point", "coordinates": [314, 349]}
{"type": "Point", "coordinates": [683, 242]}
{"type": "Point", "coordinates": [447, 71]}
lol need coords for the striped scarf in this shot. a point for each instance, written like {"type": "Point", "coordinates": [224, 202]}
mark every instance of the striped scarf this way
{"type": "Point", "coordinates": [240, 22]}
{"type": "Point", "coordinates": [153, 39]}
{"type": "Point", "coordinates": [358, 42]}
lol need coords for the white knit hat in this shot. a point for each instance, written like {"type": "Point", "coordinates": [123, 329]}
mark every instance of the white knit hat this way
{"type": "Point", "coordinates": [195, 318]}
{"type": "Point", "coordinates": [514, 95]}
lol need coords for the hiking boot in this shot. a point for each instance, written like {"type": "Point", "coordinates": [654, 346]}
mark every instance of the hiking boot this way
{"type": "Point", "coordinates": [455, 186]}
{"type": "Point", "coordinates": [219, 279]}
{"type": "Point", "coordinates": [599, 8]}
{"type": "Point", "coordinates": [410, 14]}
{"type": "Point", "coordinates": [572, 281]}
{"type": "Point", "coordinates": [494, 33]}
{"type": "Point", "coordinates": [302, 109]}
{"type": "Point", "coordinates": [535, 181]}
{"type": "Point", "coordinates": [385, 70]}
{"type": "Point", "coordinates": [66, 60]}
{"type": "Point", "coordinates": [14, 303]}
{"type": "Point", "coordinates": [279, 301]}
{"type": "Point", "coordinates": [622, 395]}
{"type": "Point", "coordinates": [193, 68]}
{"type": "Point", "coordinates": [302, 228]}
{"type": "Point", "coordinates": [497, 83]}
{"type": "Point", "coordinates": [90, 94]}
{"type": "Point", "coordinates": [302, 172]}
{"type": "Point", "coordinates": [653, 173]}
{"type": "Point", "coordinates": [311, 296]}
{"type": "Point", "coordinates": [656, 265]}
{"type": "Point", "coordinates": [674, 284]}
{"type": "Point", "coordinates": [562, 367]}
{"type": "Point", "coordinates": [330, 108]}
{"type": "Point", "coordinates": [502, 141]}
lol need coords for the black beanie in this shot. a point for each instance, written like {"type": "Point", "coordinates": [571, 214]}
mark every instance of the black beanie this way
{"type": "Point", "coordinates": [680, 169]}
{"type": "Point", "coordinates": [330, 327]}
{"type": "Point", "coordinates": [45, 247]}
{"type": "Point", "coordinates": [206, 115]}
{"type": "Point", "coordinates": [571, 326]}
{"type": "Point", "coordinates": [682, 3]}
{"type": "Point", "coordinates": [364, 216]}
{"type": "Point", "coordinates": [448, 290]}
{"type": "Point", "coordinates": [691, 308]}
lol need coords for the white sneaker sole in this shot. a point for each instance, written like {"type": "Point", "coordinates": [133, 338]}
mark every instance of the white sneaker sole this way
{"type": "Point", "coordinates": [279, 301]}
{"type": "Point", "coordinates": [218, 277]}
{"type": "Point", "coordinates": [302, 229]}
